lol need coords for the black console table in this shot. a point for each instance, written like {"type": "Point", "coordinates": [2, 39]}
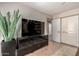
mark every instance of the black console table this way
{"type": "Point", "coordinates": [29, 44]}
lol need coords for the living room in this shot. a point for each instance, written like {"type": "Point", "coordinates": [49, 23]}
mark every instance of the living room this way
{"type": "Point", "coordinates": [43, 29]}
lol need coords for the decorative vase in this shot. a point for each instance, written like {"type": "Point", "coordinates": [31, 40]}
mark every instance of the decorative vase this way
{"type": "Point", "coordinates": [8, 48]}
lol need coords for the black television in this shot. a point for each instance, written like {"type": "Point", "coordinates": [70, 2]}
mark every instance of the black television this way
{"type": "Point", "coordinates": [32, 27]}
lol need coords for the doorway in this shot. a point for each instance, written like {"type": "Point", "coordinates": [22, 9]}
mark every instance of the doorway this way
{"type": "Point", "coordinates": [49, 30]}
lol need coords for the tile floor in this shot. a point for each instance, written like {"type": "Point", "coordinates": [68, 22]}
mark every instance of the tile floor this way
{"type": "Point", "coordinates": [55, 49]}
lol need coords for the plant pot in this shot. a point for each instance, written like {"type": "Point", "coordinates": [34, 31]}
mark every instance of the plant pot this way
{"type": "Point", "coordinates": [8, 48]}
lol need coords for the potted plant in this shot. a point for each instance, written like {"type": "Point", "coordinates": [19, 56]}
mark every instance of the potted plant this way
{"type": "Point", "coordinates": [7, 27]}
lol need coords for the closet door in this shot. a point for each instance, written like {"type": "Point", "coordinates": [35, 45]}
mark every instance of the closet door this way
{"type": "Point", "coordinates": [69, 30]}
{"type": "Point", "coordinates": [56, 30]}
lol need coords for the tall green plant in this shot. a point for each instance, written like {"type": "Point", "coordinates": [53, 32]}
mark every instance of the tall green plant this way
{"type": "Point", "coordinates": [8, 24]}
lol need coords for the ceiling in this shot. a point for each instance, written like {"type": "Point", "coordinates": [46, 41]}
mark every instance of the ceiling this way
{"type": "Point", "coordinates": [52, 8]}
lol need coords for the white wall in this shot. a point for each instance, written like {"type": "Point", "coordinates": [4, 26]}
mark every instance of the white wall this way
{"type": "Point", "coordinates": [25, 11]}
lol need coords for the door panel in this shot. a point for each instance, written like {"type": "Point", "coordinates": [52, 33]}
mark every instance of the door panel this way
{"type": "Point", "coordinates": [69, 33]}
{"type": "Point", "coordinates": [56, 30]}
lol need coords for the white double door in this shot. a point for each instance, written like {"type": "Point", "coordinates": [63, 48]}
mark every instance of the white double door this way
{"type": "Point", "coordinates": [69, 30]}
{"type": "Point", "coordinates": [65, 30]}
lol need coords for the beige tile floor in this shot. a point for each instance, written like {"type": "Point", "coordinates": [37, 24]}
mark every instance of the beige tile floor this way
{"type": "Point", "coordinates": [55, 49]}
{"type": "Point", "coordinates": [66, 50]}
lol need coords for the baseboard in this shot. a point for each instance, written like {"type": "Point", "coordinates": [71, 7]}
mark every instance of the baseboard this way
{"type": "Point", "coordinates": [68, 44]}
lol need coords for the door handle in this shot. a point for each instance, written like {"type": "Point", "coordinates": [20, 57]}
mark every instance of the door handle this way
{"type": "Point", "coordinates": [64, 32]}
